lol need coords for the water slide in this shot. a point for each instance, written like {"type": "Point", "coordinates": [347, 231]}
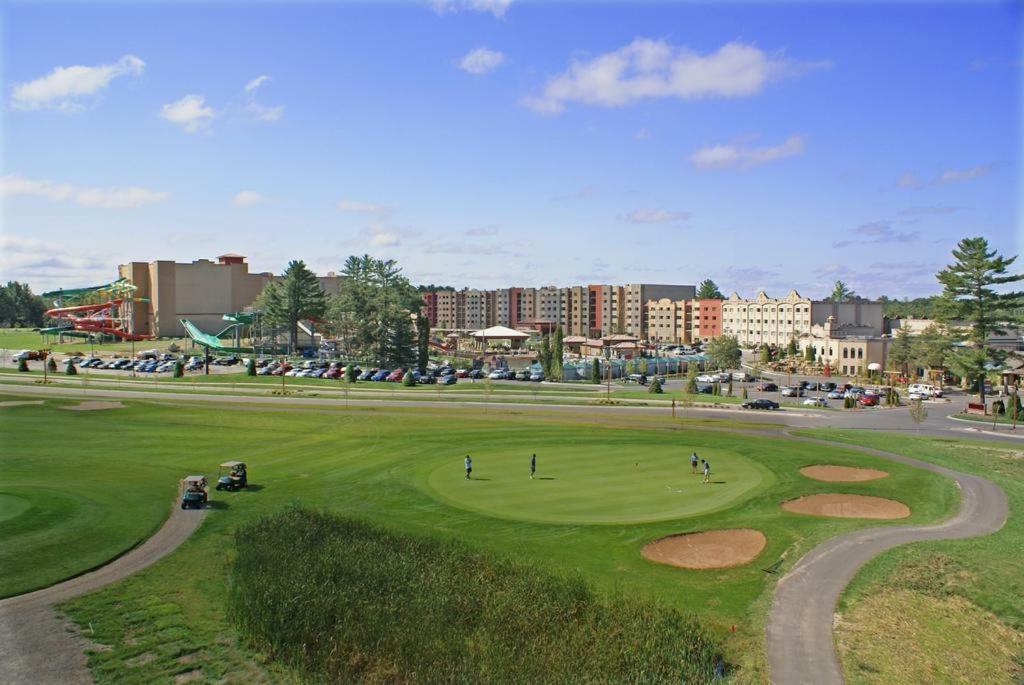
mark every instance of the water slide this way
{"type": "Point", "coordinates": [212, 342]}
{"type": "Point", "coordinates": [109, 312]}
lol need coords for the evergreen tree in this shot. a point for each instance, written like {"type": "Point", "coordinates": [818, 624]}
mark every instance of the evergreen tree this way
{"type": "Point", "coordinates": [422, 343]}
{"type": "Point", "coordinates": [544, 355]}
{"type": "Point", "coordinates": [595, 370]}
{"type": "Point", "coordinates": [70, 369]}
{"type": "Point", "coordinates": [655, 387]}
{"type": "Point", "coordinates": [179, 369]}
{"type": "Point", "coordinates": [19, 306]}
{"type": "Point", "coordinates": [901, 352]}
{"type": "Point", "coordinates": [841, 293]}
{"type": "Point", "coordinates": [766, 354]}
{"type": "Point", "coordinates": [292, 298]}
{"type": "Point", "coordinates": [250, 367]}
{"type": "Point", "coordinates": [691, 378]}
{"type": "Point", "coordinates": [408, 380]}
{"type": "Point", "coordinates": [350, 373]}
{"type": "Point", "coordinates": [707, 290]}
{"type": "Point", "coordinates": [809, 353]}
{"type": "Point", "coordinates": [970, 295]}
{"type": "Point", "coordinates": [557, 353]}
{"type": "Point", "coordinates": [791, 348]}
{"type": "Point", "coordinates": [51, 364]}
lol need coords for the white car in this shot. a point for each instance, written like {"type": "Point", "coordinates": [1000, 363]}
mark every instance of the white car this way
{"type": "Point", "coordinates": [815, 402]}
{"type": "Point", "coordinates": [707, 378]}
{"type": "Point", "coordinates": [293, 372]}
{"type": "Point", "coordinates": [497, 375]}
{"type": "Point", "coordinates": [18, 356]}
{"type": "Point", "coordinates": [792, 391]}
{"type": "Point", "coordinates": [917, 395]}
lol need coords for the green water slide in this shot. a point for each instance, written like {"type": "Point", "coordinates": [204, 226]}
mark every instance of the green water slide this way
{"type": "Point", "coordinates": [212, 342]}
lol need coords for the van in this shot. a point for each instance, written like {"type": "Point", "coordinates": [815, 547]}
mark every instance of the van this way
{"type": "Point", "coordinates": [741, 376]}
{"type": "Point", "coordinates": [925, 389]}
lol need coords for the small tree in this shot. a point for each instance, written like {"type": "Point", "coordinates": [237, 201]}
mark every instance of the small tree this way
{"type": "Point", "coordinates": [724, 352]}
{"type": "Point", "coordinates": [595, 371]}
{"type": "Point", "coordinates": [716, 389]}
{"type": "Point", "coordinates": [730, 385]}
{"type": "Point", "coordinates": [22, 365]}
{"type": "Point", "coordinates": [544, 355]}
{"type": "Point", "coordinates": [350, 373]}
{"type": "Point", "coordinates": [655, 387]}
{"type": "Point", "coordinates": [554, 372]}
{"type": "Point", "coordinates": [422, 343]}
{"type": "Point", "coordinates": [766, 354]}
{"type": "Point", "coordinates": [709, 291]}
{"type": "Point", "coordinates": [791, 348]}
{"type": "Point", "coordinates": [691, 379]}
{"type": "Point", "coordinates": [250, 367]}
{"type": "Point", "coordinates": [179, 369]}
{"type": "Point", "coordinates": [809, 353]}
{"type": "Point", "coordinates": [643, 366]}
{"type": "Point", "coordinates": [918, 412]}
{"type": "Point", "coordinates": [51, 364]}
{"type": "Point", "coordinates": [70, 369]}
{"type": "Point", "coordinates": [408, 380]}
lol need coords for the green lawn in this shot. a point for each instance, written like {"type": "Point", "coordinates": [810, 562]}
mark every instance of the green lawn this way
{"type": "Point", "coordinates": [964, 581]}
{"type": "Point", "coordinates": [117, 469]}
{"type": "Point", "coordinates": [26, 339]}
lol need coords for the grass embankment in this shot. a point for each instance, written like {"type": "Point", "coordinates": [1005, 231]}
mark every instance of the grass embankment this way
{"type": "Point", "coordinates": [347, 602]}
{"type": "Point", "coordinates": [376, 465]}
{"type": "Point", "coordinates": [26, 339]}
{"type": "Point", "coordinates": [945, 611]}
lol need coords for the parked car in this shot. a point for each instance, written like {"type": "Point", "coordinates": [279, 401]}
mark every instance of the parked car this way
{"type": "Point", "coordinates": [827, 386]}
{"type": "Point", "coordinates": [449, 379]}
{"type": "Point", "coordinates": [768, 387]}
{"type": "Point", "coordinates": [707, 378]}
{"type": "Point", "coordinates": [427, 379]}
{"type": "Point", "coordinates": [523, 375]}
{"type": "Point", "coordinates": [816, 402]}
{"type": "Point", "coordinates": [537, 376]}
{"type": "Point", "coordinates": [396, 375]}
{"type": "Point", "coordinates": [366, 375]}
{"type": "Point", "coordinates": [836, 395]}
{"type": "Point", "coordinates": [380, 375]}
{"type": "Point", "coordinates": [869, 400]}
{"type": "Point", "coordinates": [741, 376]}
{"type": "Point", "coordinates": [792, 391]}
{"type": "Point", "coordinates": [705, 388]}
{"type": "Point", "coordinates": [760, 404]}
{"type": "Point", "coordinates": [476, 374]}
{"type": "Point", "coordinates": [498, 375]}
{"type": "Point", "coordinates": [462, 373]}
{"type": "Point", "coordinates": [637, 378]}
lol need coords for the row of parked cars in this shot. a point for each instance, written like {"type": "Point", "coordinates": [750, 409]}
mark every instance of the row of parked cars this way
{"type": "Point", "coordinates": [521, 375]}
{"type": "Point", "coordinates": [161, 364]}
{"type": "Point", "coordinates": [443, 375]}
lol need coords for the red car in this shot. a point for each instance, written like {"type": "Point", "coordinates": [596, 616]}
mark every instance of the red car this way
{"type": "Point", "coordinates": [462, 373]}
{"type": "Point", "coordinates": [867, 400]}
{"type": "Point", "coordinates": [396, 375]}
{"type": "Point", "coordinates": [333, 372]}
{"type": "Point", "coordinates": [281, 370]}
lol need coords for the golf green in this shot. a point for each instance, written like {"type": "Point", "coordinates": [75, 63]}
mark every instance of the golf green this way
{"type": "Point", "coordinates": [593, 482]}
{"type": "Point", "coordinates": [12, 506]}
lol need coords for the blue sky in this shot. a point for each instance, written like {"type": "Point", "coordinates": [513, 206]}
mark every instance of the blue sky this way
{"type": "Point", "coordinates": [490, 143]}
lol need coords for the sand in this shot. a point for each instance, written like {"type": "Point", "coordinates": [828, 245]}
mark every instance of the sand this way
{"type": "Point", "coordinates": [710, 549]}
{"type": "Point", "coordinates": [842, 474]}
{"type": "Point", "coordinates": [93, 405]}
{"type": "Point", "coordinates": [848, 506]}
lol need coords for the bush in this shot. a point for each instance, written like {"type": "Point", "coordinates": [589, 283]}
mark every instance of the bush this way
{"type": "Point", "coordinates": [179, 369]}
{"type": "Point", "coordinates": [342, 601]}
{"type": "Point", "coordinates": [250, 368]}
{"type": "Point", "coordinates": [350, 373]}
{"type": "Point", "coordinates": [998, 407]}
{"type": "Point", "coordinates": [70, 369]}
{"type": "Point", "coordinates": [408, 380]}
{"type": "Point", "coordinates": [849, 403]}
{"type": "Point", "coordinates": [51, 364]}
{"type": "Point", "coordinates": [655, 387]}
{"type": "Point", "coordinates": [22, 365]}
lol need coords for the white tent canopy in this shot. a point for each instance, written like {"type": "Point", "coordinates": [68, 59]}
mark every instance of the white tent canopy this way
{"type": "Point", "coordinates": [499, 333]}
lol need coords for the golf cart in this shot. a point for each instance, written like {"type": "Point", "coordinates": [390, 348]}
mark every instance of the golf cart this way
{"type": "Point", "coordinates": [232, 476]}
{"type": "Point", "coordinates": [194, 492]}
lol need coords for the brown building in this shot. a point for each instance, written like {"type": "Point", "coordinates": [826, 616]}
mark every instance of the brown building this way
{"type": "Point", "coordinates": [706, 320]}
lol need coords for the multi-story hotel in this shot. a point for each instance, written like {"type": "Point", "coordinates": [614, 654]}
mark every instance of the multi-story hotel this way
{"type": "Point", "coordinates": [590, 310]}
{"type": "Point", "coordinates": [683, 321]}
{"type": "Point", "coordinates": [776, 321]}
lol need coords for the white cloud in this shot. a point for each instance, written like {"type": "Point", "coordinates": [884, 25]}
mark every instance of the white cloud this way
{"type": "Point", "coordinates": [382, 236]}
{"type": "Point", "coordinates": [47, 265]}
{"type": "Point", "coordinates": [256, 83]}
{"type": "Point", "coordinates": [744, 157]}
{"type": "Point", "coordinates": [64, 86]}
{"type": "Point", "coordinates": [118, 197]}
{"type": "Point", "coordinates": [495, 7]}
{"type": "Point", "coordinates": [656, 216]}
{"type": "Point", "coordinates": [264, 113]}
{"type": "Point", "coordinates": [649, 68]}
{"type": "Point", "coordinates": [357, 206]}
{"type": "Point", "coordinates": [248, 198]}
{"type": "Point", "coordinates": [191, 112]}
{"type": "Point", "coordinates": [954, 175]}
{"type": "Point", "coordinates": [481, 231]}
{"type": "Point", "coordinates": [481, 61]}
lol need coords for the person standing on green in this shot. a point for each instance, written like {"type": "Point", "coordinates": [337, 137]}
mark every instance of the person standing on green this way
{"type": "Point", "coordinates": [533, 466]}
{"type": "Point", "coordinates": [469, 466]}
{"type": "Point", "coordinates": [693, 463]}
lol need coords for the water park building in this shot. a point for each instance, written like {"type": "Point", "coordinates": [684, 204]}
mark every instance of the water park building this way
{"type": "Point", "coordinates": [201, 291]}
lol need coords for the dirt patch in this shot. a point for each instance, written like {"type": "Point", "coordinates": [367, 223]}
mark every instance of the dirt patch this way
{"type": "Point", "coordinates": [842, 474]}
{"type": "Point", "coordinates": [848, 506]}
{"type": "Point", "coordinates": [188, 676]}
{"type": "Point", "coordinates": [710, 549]}
{"type": "Point", "coordinates": [18, 403]}
{"type": "Point", "coordinates": [141, 659]}
{"type": "Point", "coordinates": [93, 405]}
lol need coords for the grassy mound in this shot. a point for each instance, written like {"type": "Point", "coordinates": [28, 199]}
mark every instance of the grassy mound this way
{"type": "Point", "coordinates": [342, 600]}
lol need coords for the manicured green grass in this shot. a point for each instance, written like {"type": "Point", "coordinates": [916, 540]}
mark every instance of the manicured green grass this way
{"type": "Point", "coordinates": [376, 465]}
{"type": "Point", "coordinates": [26, 339]}
{"type": "Point", "coordinates": [619, 484]}
{"type": "Point", "coordinates": [984, 571]}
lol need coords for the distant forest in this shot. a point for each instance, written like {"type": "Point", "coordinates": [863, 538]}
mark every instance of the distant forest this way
{"type": "Point", "coordinates": [918, 308]}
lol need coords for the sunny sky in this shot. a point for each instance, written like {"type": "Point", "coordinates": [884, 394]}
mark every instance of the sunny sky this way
{"type": "Point", "coordinates": [491, 143]}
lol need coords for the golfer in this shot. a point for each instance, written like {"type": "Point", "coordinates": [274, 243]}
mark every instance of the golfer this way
{"type": "Point", "coordinates": [707, 471]}
{"type": "Point", "coordinates": [469, 466]}
{"type": "Point", "coordinates": [533, 466]}
{"type": "Point", "coordinates": [693, 462]}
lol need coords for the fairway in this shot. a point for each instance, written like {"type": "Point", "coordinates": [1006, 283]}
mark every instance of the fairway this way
{"type": "Point", "coordinates": [599, 482]}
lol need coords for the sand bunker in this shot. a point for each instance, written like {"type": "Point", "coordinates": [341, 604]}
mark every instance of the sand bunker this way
{"type": "Point", "coordinates": [92, 405]}
{"type": "Point", "coordinates": [848, 506]}
{"type": "Point", "coordinates": [18, 403]}
{"type": "Point", "coordinates": [841, 474]}
{"type": "Point", "coordinates": [710, 549]}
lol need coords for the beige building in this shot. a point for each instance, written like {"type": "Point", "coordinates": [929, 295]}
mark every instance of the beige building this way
{"type": "Point", "coordinates": [668, 321]}
{"type": "Point", "coordinates": [845, 348]}
{"type": "Point", "coordinates": [201, 291]}
{"type": "Point", "coordinates": [766, 320]}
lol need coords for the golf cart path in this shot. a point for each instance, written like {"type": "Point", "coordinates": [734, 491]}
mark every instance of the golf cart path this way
{"type": "Point", "coordinates": [799, 640]}
{"type": "Point", "coordinates": [37, 645]}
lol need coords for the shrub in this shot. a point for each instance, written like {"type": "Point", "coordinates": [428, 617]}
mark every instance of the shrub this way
{"type": "Point", "coordinates": [655, 387]}
{"type": "Point", "coordinates": [998, 407]}
{"type": "Point", "coordinates": [342, 601]}
{"type": "Point", "coordinates": [51, 364]}
{"type": "Point", "coordinates": [408, 380]}
{"type": "Point", "coordinates": [70, 369]}
{"type": "Point", "coordinates": [350, 373]}
{"type": "Point", "coordinates": [849, 403]}
{"type": "Point", "coordinates": [250, 368]}
{"type": "Point", "coordinates": [22, 365]}
{"type": "Point", "coordinates": [179, 369]}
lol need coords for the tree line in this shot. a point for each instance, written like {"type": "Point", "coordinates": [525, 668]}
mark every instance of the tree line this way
{"type": "Point", "coordinates": [20, 307]}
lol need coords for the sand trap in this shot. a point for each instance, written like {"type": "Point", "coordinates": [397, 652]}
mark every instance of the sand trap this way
{"type": "Point", "coordinates": [710, 549]}
{"type": "Point", "coordinates": [92, 405]}
{"type": "Point", "coordinates": [18, 403]}
{"type": "Point", "coordinates": [842, 474]}
{"type": "Point", "coordinates": [848, 506]}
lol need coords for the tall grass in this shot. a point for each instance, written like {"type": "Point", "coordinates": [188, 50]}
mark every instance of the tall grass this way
{"type": "Point", "coordinates": [344, 601]}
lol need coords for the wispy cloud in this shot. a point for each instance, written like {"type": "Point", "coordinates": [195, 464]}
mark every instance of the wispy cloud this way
{"type": "Point", "coordinates": [47, 264]}
{"type": "Point", "coordinates": [256, 83]}
{"type": "Point", "coordinates": [259, 111]}
{"type": "Point", "coordinates": [656, 216]}
{"type": "Point", "coordinates": [648, 69]}
{"type": "Point", "coordinates": [481, 61]}
{"type": "Point", "coordinates": [495, 7]}
{"type": "Point", "coordinates": [736, 156]}
{"type": "Point", "coordinates": [876, 232]}
{"type": "Point", "coordinates": [360, 206]}
{"type": "Point", "coordinates": [956, 175]}
{"type": "Point", "coordinates": [581, 194]}
{"type": "Point", "coordinates": [119, 197]}
{"type": "Point", "coordinates": [65, 87]}
{"type": "Point", "coordinates": [481, 231]}
{"type": "Point", "coordinates": [190, 112]}
{"type": "Point", "coordinates": [248, 198]}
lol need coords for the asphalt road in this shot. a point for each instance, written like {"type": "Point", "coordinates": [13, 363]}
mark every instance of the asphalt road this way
{"type": "Point", "coordinates": [38, 646]}
{"type": "Point", "coordinates": [800, 645]}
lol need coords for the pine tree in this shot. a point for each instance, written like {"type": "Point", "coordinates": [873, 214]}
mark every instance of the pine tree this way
{"type": "Point", "coordinates": [250, 367]}
{"type": "Point", "coordinates": [691, 378]}
{"type": "Point", "coordinates": [766, 354]}
{"type": "Point", "coordinates": [655, 387]}
{"type": "Point", "coordinates": [70, 369]}
{"type": "Point", "coordinates": [901, 352]}
{"type": "Point", "coordinates": [595, 371]}
{"type": "Point", "coordinates": [422, 343]}
{"type": "Point", "coordinates": [791, 348]}
{"type": "Point", "coordinates": [292, 298]}
{"type": "Point", "coordinates": [409, 380]}
{"type": "Point", "coordinates": [557, 353]}
{"type": "Point", "coordinates": [709, 291]}
{"type": "Point", "coordinates": [969, 296]}
{"type": "Point", "coordinates": [841, 293]}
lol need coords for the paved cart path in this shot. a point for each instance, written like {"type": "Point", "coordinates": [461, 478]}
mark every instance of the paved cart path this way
{"type": "Point", "coordinates": [39, 646]}
{"type": "Point", "coordinates": [800, 645]}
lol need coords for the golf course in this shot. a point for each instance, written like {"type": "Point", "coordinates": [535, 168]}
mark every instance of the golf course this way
{"type": "Point", "coordinates": [604, 491]}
